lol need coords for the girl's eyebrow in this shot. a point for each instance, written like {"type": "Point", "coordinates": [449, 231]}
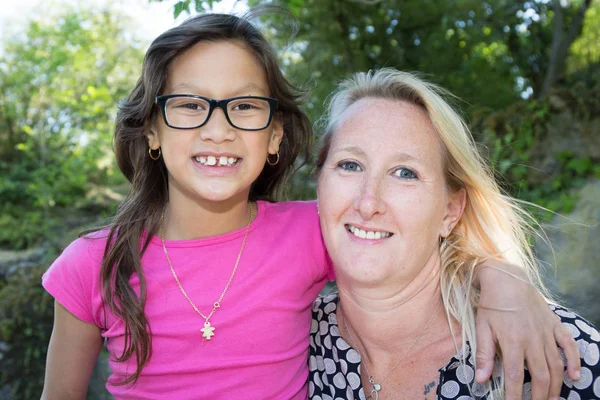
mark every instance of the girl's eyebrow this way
{"type": "Point", "coordinates": [195, 89]}
{"type": "Point", "coordinates": [252, 86]}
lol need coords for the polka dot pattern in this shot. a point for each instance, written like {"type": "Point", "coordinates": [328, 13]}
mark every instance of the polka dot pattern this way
{"type": "Point", "coordinates": [574, 396]}
{"type": "Point", "coordinates": [591, 355]}
{"type": "Point", "coordinates": [465, 374]}
{"type": "Point", "coordinates": [450, 389]}
{"type": "Point", "coordinates": [334, 366]}
{"type": "Point", "coordinates": [586, 379]}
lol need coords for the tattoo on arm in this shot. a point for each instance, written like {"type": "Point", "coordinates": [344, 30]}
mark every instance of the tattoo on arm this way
{"type": "Point", "coordinates": [428, 387]}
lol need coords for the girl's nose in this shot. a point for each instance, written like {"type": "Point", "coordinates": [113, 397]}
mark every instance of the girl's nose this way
{"type": "Point", "coordinates": [217, 129]}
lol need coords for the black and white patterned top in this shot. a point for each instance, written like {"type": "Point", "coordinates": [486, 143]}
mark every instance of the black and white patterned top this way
{"type": "Point", "coordinates": [335, 366]}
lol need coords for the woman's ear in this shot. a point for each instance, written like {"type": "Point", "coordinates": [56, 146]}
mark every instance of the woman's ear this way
{"type": "Point", "coordinates": [455, 208]}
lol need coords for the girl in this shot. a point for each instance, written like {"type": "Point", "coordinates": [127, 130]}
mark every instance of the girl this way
{"type": "Point", "coordinates": [201, 288]}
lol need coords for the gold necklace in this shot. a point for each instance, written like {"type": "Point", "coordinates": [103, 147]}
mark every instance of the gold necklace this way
{"type": "Point", "coordinates": [208, 330]}
{"type": "Point", "coordinates": [376, 387]}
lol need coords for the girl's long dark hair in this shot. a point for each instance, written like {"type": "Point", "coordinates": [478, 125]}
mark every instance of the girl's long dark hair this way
{"type": "Point", "coordinates": [148, 196]}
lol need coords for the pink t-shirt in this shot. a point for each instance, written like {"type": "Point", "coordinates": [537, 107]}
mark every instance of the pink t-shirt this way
{"type": "Point", "coordinates": [260, 347]}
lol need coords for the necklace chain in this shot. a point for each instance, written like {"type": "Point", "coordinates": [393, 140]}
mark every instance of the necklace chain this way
{"type": "Point", "coordinates": [207, 331]}
{"type": "Point", "coordinates": [376, 387]}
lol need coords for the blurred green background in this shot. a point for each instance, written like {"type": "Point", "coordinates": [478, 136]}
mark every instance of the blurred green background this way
{"type": "Point", "coordinates": [527, 74]}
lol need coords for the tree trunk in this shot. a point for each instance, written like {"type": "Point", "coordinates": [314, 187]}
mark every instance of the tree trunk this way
{"type": "Point", "coordinates": [562, 40]}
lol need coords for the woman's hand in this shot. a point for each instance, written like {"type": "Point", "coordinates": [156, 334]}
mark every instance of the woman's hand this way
{"type": "Point", "coordinates": [513, 314]}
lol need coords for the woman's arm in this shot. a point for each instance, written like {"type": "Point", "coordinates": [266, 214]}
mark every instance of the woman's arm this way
{"type": "Point", "coordinates": [526, 331]}
{"type": "Point", "coordinates": [72, 353]}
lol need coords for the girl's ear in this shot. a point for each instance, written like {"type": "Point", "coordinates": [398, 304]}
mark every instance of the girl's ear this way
{"type": "Point", "coordinates": [455, 207]}
{"type": "Point", "coordinates": [276, 136]}
{"type": "Point", "coordinates": [153, 139]}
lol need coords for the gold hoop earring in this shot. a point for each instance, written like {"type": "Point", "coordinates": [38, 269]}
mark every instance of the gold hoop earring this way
{"type": "Point", "coordinates": [269, 160]}
{"type": "Point", "coordinates": [151, 156]}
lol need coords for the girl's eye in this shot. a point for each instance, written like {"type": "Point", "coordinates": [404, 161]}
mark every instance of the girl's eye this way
{"type": "Point", "coordinates": [405, 173]}
{"type": "Point", "coordinates": [244, 107]}
{"type": "Point", "coordinates": [350, 166]}
{"type": "Point", "coordinates": [191, 106]}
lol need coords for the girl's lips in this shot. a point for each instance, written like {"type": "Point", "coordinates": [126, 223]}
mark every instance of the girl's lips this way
{"type": "Point", "coordinates": [218, 161]}
{"type": "Point", "coordinates": [215, 154]}
{"type": "Point", "coordinates": [215, 167]}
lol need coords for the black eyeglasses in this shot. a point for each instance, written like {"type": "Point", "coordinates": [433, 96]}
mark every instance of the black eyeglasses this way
{"type": "Point", "coordinates": [188, 111]}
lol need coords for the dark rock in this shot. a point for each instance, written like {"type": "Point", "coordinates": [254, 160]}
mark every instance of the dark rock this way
{"type": "Point", "coordinates": [10, 261]}
{"type": "Point", "coordinates": [565, 133]}
{"type": "Point", "coordinates": [574, 272]}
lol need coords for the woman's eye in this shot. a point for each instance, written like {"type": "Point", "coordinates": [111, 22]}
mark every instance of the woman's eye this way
{"type": "Point", "coordinates": [405, 173]}
{"type": "Point", "coordinates": [350, 166]}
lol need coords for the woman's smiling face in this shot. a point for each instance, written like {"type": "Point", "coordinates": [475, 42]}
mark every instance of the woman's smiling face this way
{"type": "Point", "coordinates": [383, 198]}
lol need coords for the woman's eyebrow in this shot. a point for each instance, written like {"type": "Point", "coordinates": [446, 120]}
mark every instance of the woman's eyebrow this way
{"type": "Point", "coordinates": [349, 149]}
{"type": "Point", "coordinates": [399, 156]}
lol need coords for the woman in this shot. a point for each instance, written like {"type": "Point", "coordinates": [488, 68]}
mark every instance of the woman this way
{"type": "Point", "coordinates": [408, 210]}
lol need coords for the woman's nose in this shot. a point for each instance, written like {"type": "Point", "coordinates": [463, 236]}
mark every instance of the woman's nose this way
{"type": "Point", "coordinates": [369, 201]}
{"type": "Point", "coordinates": [217, 129]}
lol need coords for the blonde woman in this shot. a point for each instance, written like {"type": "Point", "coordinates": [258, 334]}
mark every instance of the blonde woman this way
{"type": "Point", "coordinates": [408, 211]}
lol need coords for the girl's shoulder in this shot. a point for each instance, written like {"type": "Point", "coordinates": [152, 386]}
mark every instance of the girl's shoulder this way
{"type": "Point", "coordinates": [83, 256]}
{"type": "Point", "coordinates": [302, 214]}
{"type": "Point", "coordinates": [90, 245]}
{"type": "Point", "coordinates": [73, 279]}
{"type": "Point", "coordinates": [308, 207]}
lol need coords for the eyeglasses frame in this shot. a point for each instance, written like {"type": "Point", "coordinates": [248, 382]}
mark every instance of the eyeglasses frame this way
{"type": "Point", "coordinates": [222, 104]}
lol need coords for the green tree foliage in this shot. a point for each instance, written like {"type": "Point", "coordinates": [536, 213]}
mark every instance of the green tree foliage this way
{"type": "Point", "coordinates": [489, 53]}
{"type": "Point", "coordinates": [60, 83]}
{"type": "Point", "coordinates": [583, 64]}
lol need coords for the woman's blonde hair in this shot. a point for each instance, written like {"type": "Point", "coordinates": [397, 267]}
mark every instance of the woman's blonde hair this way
{"type": "Point", "coordinates": [493, 225]}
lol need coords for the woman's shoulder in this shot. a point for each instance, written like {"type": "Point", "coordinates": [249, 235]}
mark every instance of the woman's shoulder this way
{"type": "Point", "coordinates": [325, 304]}
{"type": "Point", "coordinates": [587, 337]}
{"type": "Point", "coordinates": [458, 375]}
{"type": "Point", "coordinates": [579, 327]}
{"type": "Point", "coordinates": [324, 318]}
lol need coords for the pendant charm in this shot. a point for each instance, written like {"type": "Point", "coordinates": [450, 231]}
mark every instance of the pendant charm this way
{"type": "Point", "coordinates": [207, 331]}
{"type": "Point", "coordinates": [375, 388]}
{"type": "Point", "coordinates": [374, 394]}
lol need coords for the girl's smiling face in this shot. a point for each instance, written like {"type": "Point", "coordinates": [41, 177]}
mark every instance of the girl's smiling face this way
{"type": "Point", "coordinates": [217, 70]}
{"type": "Point", "coordinates": [383, 198]}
